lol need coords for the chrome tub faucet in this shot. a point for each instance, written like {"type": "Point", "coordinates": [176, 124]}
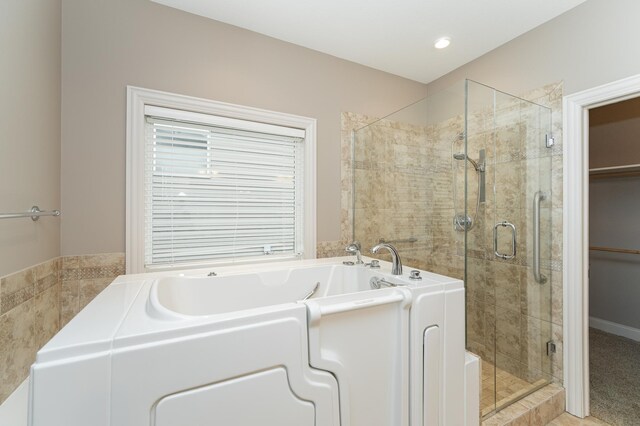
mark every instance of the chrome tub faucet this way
{"type": "Point", "coordinates": [396, 268]}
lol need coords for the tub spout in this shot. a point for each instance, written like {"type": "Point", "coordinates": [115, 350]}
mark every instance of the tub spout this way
{"type": "Point", "coordinates": [396, 268]}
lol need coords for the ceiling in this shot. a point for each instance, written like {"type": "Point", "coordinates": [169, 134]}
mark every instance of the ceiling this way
{"type": "Point", "coordinates": [392, 36]}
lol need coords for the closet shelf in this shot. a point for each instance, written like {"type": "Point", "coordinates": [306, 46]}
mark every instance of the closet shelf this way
{"type": "Point", "coordinates": [615, 171]}
{"type": "Point", "coordinates": [614, 250]}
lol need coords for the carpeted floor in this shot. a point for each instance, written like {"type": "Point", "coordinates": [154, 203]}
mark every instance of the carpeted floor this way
{"type": "Point", "coordinates": [614, 362]}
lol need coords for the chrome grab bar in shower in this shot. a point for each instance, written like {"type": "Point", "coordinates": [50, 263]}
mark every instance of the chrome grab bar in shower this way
{"type": "Point", "coordinates": [513, 240]}
{"type": "Point", "coordinates": [537, 199]}
{"type": "Point", "coordinates": [406, 240]}
{"type": "Point", "coordinates": [34, 214]}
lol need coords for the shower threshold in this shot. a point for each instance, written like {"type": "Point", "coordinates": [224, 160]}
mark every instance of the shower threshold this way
{"type": "Point", "coordinates": [507, 389]}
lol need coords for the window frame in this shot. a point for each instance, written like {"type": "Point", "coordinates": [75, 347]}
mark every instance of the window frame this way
{"type": "Point", "coordinates": [137, 99]}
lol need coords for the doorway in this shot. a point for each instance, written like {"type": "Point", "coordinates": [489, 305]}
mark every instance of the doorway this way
{"type": "Point", "coordinates": [576, 233]}
{"type": "Point", "coordinates": [614, 262]}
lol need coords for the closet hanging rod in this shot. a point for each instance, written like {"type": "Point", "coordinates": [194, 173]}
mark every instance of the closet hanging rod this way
{"type": "Point", "coordinates": [34, 214]}
{"type": "Point", "coordinates": [614, 250]}
{"type": "Point", "coordinates": [630, 170]}
{"type": "Point", "coordinates": [615, 175]}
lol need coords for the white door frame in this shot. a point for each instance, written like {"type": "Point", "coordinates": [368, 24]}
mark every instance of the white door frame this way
{"type": "Point", "coordinates": [576, 233]}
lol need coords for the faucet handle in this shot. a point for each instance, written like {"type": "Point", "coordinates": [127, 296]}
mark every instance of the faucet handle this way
{"type": "Point", "coordinates": [415, 275]}
{"type": "Point", "coordinates": [353, 247]}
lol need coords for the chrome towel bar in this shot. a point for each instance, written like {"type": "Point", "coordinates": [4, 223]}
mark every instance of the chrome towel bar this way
{"type": "Point", "coordinates": [34, 214]}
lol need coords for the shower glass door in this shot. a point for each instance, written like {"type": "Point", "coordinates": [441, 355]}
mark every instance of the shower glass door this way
{"type": "Point", "coordinates": [508, 247]}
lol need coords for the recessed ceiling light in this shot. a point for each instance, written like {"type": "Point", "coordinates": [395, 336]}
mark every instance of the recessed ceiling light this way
{"type": "Point", "coordinates": [442, 42]}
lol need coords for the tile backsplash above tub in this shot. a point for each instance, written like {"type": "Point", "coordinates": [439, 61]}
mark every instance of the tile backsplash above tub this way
{"type": "Point", "coordinates": [36, 302]}
{"type": "Point", "coordinates": [83, 278]}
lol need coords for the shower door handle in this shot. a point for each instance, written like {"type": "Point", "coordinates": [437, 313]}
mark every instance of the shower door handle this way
{"type": "Point", "coordinates": [511, 226]}
{"type": "Point", "coordinates": [537, 198]}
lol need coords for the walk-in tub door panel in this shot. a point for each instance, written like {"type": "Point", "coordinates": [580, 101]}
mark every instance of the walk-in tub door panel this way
{"type": "Point", "coordinates": [217, 373]}
{"type": "Point", "coordinates": [366, 348]}
{"type": "Point", "coordinates": [263, 398]}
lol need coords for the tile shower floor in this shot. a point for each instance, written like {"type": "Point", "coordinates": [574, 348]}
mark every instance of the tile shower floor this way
{"type": "Point", "coordinates": [504, 387]}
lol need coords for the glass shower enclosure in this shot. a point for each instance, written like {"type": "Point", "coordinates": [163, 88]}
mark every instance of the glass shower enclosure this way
{"type": "Point", "coordinates": [460, 183]}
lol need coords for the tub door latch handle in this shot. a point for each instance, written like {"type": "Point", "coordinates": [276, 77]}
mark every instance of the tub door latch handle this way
{"type": "Point", "coordinates": [312, 292]}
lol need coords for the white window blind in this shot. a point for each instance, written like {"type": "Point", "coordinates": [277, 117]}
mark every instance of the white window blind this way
{"type": "Point", "coordinates": [220, 190]}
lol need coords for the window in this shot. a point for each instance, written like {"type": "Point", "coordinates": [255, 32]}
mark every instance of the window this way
{"type": "Point", "coordinates": [211, 183]}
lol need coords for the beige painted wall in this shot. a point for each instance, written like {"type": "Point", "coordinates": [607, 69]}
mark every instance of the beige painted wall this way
{"type": "Point", "coordinates": [614, 134]}
{"type": "Point", "coordinates": [30, 129]}
{"type": "Point", "coordinates": [595, 43]}
{"type": "Point", "coordinates": [110, 44]}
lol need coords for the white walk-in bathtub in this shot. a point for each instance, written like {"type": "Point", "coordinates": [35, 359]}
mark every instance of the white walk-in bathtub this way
{"type": "Point", "coordinates": [262, 348]}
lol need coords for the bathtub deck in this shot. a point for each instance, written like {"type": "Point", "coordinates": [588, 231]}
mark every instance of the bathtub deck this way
{"type": "Point", "coordinates": [13, 411]}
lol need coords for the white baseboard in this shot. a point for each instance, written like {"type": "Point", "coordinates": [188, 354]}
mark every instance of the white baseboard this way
{"type": "Point", "coordinates": [615, 328]}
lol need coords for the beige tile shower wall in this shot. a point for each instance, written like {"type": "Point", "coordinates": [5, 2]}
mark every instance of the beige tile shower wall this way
{"type": "Point", "coordinates": [391, 160]}
{"type": "Point", "coordinates": [36, 302]}
{"type": "Point", "coordinates": [403, 178]}
{"type": "Point", "coordinates": [401, 161]}
{"type": "Point", "coordinates": [446, 198]}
